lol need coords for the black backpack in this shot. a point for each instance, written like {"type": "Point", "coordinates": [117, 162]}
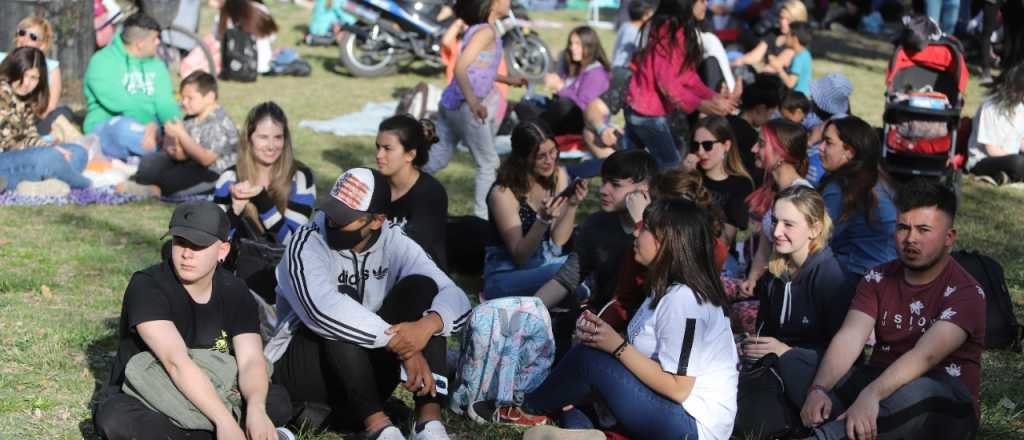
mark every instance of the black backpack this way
{"type": "Point", "coordinates": [238, 56]}
{"type": "Point", "coordinates": [1001, 327]}
{"type": "Point", "coordinates": [763, 411]}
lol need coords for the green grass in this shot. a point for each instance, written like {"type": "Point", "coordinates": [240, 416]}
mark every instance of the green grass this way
{"type": "Point", "coordinates": [63, 270]}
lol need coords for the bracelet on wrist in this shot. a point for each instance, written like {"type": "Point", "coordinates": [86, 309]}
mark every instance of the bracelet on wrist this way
{"type": "Point", "coordinates": [816, 387]}
{"type": "Point", "coordinates": [618, 351]}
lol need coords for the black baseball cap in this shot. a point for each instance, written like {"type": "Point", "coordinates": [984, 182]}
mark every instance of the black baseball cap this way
{"type": "Point", "coordinates": [200, 222]}
{"type": "Point", "coordinates": [358, 192]}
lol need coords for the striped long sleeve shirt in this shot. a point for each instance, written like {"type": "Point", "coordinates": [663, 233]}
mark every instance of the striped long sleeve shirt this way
{"type": "Point", "coordinates": [280, 225]}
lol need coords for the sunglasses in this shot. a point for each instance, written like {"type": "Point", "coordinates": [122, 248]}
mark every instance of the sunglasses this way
{"type": "Point", "coordinates": [31, 35]}
{"type": "Point", "coordinates": [706, 145]}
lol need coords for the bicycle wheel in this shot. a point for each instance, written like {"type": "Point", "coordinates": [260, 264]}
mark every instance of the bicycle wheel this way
{"type": "Point", "coordinates": [198, 43]}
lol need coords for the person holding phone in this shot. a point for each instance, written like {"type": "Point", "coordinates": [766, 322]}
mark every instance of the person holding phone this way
{"type": "Point", "coordinates": [532, 210]}
{"type": "Point", "coordinates": [673, 375]}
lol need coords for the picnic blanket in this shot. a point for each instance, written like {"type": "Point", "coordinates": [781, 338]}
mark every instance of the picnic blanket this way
{"type": "Point", "coordinates": [86, 196]}
{"type": "Point", "coordinates": [361, 123]}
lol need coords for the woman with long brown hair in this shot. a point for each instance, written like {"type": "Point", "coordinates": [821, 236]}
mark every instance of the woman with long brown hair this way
{"type": "Point", "coordinates": [36, 32]}
{"type": "Point", "coordinates": [584, 76]}
{"type": "Point", "coordinates": [673, 375]}
{"type": "Point", "coordinates": [531, 217]}
{"type": "Point", "coordinates": [268, 187]}
{"type": "Point", "coordinates": [25, 156]}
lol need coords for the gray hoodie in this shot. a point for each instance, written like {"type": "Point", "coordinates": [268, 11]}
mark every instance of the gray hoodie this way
{"type": "Point", "coordinates": [311, 278]}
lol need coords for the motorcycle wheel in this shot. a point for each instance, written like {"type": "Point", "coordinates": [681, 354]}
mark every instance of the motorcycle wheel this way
{"type": "Point", "coordinates": [362, 63]}
{"type": "Point", "coordinates": [527, 55]}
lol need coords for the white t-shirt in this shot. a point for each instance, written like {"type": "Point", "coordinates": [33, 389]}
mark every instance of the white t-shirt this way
{"type": "Point", "coordinates": [994, 127]}
{"type": "Point", "coordinates": [691, 339]}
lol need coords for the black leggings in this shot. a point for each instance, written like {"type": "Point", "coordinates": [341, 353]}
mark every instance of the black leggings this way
{"type": "Point", "coordinates": [121, 416]}
{"type": "Point", "coordinates": [561, 114]}
{"type": "Point", "coordinates": [352, 380]}
{"type": "Point", "coordinates": [186, 177]}
{"type": "Point", "coordinates": [1011, 164]}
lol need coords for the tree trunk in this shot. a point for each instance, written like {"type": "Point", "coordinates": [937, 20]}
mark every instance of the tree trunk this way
{"type": "Point", "coordinates": [74, 37]}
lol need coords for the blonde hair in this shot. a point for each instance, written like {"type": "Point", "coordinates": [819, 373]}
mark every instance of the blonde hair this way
{"type": "Point", "coordinates": [283, 169]}
{"type": "Point", "coordinates": [809, 203]}
{"type": "Point", "coordinates": [41, 23]}
{"type": "Point", "coordinates": [796, 9]}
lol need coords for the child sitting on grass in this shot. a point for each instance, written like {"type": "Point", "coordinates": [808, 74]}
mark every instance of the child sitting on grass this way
{"type": "Point", "coordinates": [796, 75]}
{"type": "Point", "coordinates": [197, 149]}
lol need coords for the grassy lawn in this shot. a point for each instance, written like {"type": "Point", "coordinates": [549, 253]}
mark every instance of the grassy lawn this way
{"type": "Point", "coordinates": [63, 270]}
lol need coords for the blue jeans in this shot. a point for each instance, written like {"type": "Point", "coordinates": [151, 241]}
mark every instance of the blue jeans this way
{"type": "Point", "coordinates": [640, 411]}
{"type": "Point", "coordinates": [41, 163]}
{"type": "Point", "coordinates": [120, 137]}
{"type": "Point", "coordinates": [944, 12]}
{"type": "Point", "coordinates": [655, 134]}
{"type": "Point", "coordinates": [503, 277]}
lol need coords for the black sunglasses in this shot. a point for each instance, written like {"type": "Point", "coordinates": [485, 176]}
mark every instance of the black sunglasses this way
{"type": "Point", "coordinates": [31, 35]}
{"type": "Point", "coordinates": [706, 145]}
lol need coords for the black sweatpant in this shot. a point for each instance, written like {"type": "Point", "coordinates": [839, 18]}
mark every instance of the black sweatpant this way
{"type": "Point", "coordinates": [186, 177]}
{"type": "Point", "coordinates": [121, 416]}
{"type": "Point", "coordinates": [562, 115]}
{"type": "Point", "coordinates": [352, 380]}
{"type": "Point", "coordinates": [929, 407]}
{"type": "Point", "coordinates": [1011, 164]}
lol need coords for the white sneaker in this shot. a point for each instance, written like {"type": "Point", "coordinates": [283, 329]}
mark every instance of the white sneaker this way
{"type": "Point", "coordinates": [433, 430]}
{"type": "Point", "coordinates": [391, 433]}
{"type": "Point", "coordinates": [285, 434]}
{"type": "Point", "coordinates": [44, 188]}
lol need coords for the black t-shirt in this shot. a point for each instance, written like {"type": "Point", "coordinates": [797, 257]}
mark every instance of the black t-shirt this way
{"type": "Point", "coordinates": [730, 195]}
{"type": "Point", "coordinates": [156, 294]}
{"type": "Point", "coordinates": [602, 244]}
{"type": "Point", "coordinates": [423, 214]}
{"type": "Point", "coordinates": [746, 137]}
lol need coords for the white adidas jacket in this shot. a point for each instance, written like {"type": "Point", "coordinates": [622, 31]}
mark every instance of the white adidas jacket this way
{"type": "Point", "coordinates": [311, 278]}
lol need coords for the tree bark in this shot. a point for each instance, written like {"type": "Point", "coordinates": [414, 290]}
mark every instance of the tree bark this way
{"type": "Point", "coordinates": [74, 38]}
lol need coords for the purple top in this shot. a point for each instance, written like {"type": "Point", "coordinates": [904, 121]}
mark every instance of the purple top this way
{"type": "Point", "coordinates": [481, 72]}
{"type": "Point", "coordinates": [589, 84]}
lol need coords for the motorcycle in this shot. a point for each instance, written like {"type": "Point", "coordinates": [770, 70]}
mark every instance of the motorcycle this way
{"type": "Point", "coordinates": [389, 34]}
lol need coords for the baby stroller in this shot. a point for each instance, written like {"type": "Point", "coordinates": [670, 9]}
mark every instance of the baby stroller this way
{"type": "Point", "coordinates": [924, 96]}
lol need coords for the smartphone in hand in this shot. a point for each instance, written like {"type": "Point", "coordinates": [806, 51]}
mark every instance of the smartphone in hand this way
{"type": "Point", "coordinates": [569, 190]}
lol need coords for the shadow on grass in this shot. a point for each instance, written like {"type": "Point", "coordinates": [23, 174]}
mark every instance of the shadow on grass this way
{"type": "Point", "coordinates": [839, 48]}
{"type": "Point", "coordinates": [100, 361]}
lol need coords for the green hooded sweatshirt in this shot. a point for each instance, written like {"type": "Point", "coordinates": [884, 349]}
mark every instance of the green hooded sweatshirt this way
{"type": "Point", "coordinates": [119, 84]}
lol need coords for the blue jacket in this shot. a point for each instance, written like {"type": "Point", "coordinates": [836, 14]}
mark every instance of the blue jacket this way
{"type": "Point", "coordinates": [815, 304]}
{"type": "Point", "coordinates": [857, 243]}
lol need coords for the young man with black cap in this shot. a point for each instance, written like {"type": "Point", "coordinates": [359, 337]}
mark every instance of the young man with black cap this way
{"type": "Point", "coordinates": [358, 300]}
{"type": "Point", "coordinates": [171, 311]}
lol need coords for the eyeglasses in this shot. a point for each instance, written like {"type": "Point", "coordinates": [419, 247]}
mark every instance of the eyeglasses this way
{"type": "Point", "coordinates": [31, 35]}
{"type": "Point", "coordinates": [706, 145]}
